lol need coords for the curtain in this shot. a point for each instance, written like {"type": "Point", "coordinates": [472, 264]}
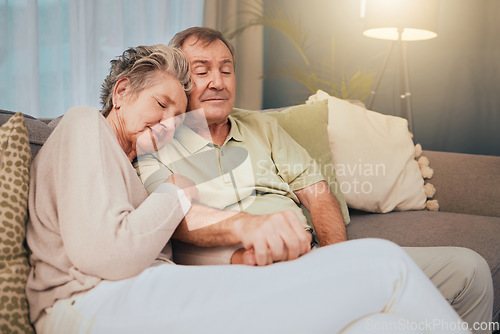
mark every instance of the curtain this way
{"type": "Point", "coordinates": [226, 16]}
{"type": "Point", "coordinates": [54, 54]}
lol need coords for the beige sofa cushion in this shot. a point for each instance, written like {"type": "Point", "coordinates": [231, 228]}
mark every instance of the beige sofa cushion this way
{"type": "Point", "coordinates": [374, 158]}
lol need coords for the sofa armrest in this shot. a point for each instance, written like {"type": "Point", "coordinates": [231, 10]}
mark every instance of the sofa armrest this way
{"type": "Point", "coordinates": [466, 183]}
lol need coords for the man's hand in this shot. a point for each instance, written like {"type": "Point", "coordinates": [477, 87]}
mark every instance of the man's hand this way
{"type": "Point", "coordinates": [185, 184]}
{"type": "Point", "coordinates": [271, 238]}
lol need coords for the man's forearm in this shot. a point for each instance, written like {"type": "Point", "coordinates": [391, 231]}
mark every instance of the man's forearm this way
{"type": "Point", "coordinates": [325, 213]}
{"type": "Point", "coordinates": [206, 231]}
{"type": "Point", "coordinates": [328, 221]}
{"type": "Point", "coordinates": [208, 227]}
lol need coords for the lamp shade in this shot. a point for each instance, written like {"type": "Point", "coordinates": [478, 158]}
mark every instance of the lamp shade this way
{"type": "Point", "coordinates": [415, 19]}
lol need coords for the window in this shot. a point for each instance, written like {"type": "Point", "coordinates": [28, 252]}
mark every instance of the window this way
{"type": "Point", "coordinates": [54, 54]}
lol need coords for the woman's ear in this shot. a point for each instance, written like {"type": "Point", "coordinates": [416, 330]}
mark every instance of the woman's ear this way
{"type": "Point", "coordinates": [120, 92]}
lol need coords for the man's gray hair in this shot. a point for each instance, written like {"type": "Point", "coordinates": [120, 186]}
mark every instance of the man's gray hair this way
{"type": "Point", "coordinates": [204, 34]}
{"type": "Point", "coordinates": [139, 65]}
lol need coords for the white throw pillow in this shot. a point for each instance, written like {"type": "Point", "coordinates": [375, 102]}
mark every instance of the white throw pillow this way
{"type": "Point", "coordinates": [374, 158]}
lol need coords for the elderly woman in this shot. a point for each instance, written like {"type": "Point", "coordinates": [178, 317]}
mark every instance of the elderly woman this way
{"type": "Point", "coordinates": [100, 246]}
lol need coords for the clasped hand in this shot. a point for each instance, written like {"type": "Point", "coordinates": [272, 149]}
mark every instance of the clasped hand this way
{"type": "Point", "coordinates": [267, 238]}
{"type": "Point", "coordinates": [272, 238]}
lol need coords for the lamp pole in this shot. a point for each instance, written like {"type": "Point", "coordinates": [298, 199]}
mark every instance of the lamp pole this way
{"type": "Point", "coordinates": [404, 75]}
{"type": "Point", "coordinates": [406, 110]}
{"type": "Point", "coordinates": [399, 21]}
{"type": "Point", "coordinates": [378, 79]}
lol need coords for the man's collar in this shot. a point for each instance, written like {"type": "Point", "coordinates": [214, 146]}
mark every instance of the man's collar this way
{"type": "Point", "coordinates": [234, 132]}
{"type": "Point", "coordinates": [193, 142]}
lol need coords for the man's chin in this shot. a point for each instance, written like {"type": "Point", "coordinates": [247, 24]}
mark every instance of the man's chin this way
{"type": "Point", "coordinates": [215, 112]}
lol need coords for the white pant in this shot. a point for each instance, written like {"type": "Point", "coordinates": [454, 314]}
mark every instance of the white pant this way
{"type": "Point", "coordinates": [368, 283]}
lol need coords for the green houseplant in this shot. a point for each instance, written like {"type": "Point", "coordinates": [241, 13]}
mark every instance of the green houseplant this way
{"type": "Point", "coordinates": [312, 73]}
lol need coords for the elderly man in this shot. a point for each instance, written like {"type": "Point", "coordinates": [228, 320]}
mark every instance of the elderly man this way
{"type": "Point", "coordinates": [259, 169]}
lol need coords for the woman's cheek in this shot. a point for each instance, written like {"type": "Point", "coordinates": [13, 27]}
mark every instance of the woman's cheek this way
{"type": "Point", "coordinates": [145, 142]}
{"type": "Point", "coordinates": [163, 132]}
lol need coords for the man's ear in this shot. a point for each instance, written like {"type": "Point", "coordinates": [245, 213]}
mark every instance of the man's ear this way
{"type": "Point", "coordinates": [120, 92]}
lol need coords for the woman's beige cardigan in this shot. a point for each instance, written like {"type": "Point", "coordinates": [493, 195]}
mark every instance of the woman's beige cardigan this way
{"type": "Point", "coordinates": [90, 217]}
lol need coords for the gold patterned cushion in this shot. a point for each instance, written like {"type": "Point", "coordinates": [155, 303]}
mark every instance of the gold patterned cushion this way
{"type": "Point", "coordinates": [15, 158]}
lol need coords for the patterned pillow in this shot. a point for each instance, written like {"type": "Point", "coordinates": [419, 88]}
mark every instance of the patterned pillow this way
{"type": "Point", "coordinates": [15, 158]}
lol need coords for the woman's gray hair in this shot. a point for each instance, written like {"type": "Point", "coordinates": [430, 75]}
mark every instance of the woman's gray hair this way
{"type": "Point", "coordinates": [139, 65]}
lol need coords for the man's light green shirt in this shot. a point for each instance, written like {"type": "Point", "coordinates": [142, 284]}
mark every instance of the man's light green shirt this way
{"type": "Point", "coordinates": [256, 170]}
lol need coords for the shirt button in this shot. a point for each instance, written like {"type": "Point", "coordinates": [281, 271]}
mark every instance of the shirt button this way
{"type": "Point", "coordinates": [222, 153]}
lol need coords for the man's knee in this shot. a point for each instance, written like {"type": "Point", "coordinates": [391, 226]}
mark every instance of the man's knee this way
{"type": "Point", "coordinates": [462, 276]}
{"type": "Point", "coordinates": [475, 273]}
{"type": "Point", "coordinates": [454, 270]}
{"type": "Point", "coordinates": [473, 299]}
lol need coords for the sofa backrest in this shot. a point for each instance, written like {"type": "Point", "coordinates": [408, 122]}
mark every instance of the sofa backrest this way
{"type": "Point", "coordinates": [38, 131]}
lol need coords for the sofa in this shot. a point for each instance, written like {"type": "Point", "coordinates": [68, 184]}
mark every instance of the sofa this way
{"type": "Point", "coordinates": [468, 190]}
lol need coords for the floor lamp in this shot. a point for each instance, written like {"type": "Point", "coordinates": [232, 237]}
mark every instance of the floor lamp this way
{"type": "Point", "coordinates": [399, 21]}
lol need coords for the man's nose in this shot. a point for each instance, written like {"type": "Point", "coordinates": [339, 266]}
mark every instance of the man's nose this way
{"type": "Point", "coordinates": [216, 81]}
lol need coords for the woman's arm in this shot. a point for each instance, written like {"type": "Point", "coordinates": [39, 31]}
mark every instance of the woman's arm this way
{"type": "Point", "coordinates": [86, 191]}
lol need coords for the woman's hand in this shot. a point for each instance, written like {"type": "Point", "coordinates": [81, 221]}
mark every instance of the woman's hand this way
{"type": "Point", "coordinates": [244, 256]}
{"type": "Point", "coordinates": [187, 185]}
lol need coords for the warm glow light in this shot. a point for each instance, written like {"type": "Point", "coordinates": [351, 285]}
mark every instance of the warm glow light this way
{"type": "Point", "coordinates": [409, 34]}
{"type": "Point", "coordinates": [415, 19]}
